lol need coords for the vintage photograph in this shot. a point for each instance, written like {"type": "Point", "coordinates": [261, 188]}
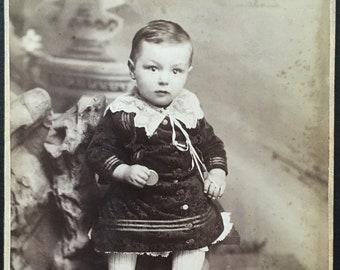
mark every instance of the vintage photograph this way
{"type": "Point", "coordinates": [179, 135]}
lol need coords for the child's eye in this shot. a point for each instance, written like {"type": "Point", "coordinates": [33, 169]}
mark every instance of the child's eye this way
{"type": "Point", "coordinates": [176, 70]}
{"type": "Point", "coordinates": [152, 68]}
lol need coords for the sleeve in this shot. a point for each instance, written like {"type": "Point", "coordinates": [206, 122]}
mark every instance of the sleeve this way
{"type": "Point", "coordinates": [107, 150]}
{"type": "Point", "coordinates": [211, 147]}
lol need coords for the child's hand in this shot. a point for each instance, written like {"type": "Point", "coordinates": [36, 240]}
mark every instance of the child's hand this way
{"type": "Point", "coordinates": [135, 174]}
{"type": "Point", "coordinates": [214, 184]}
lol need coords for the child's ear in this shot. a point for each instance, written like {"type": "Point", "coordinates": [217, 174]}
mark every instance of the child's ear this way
{"type": "Point", "coordinates": [131, 66]}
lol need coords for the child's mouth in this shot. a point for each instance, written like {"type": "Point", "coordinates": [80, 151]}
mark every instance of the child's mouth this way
{"type": "Point", "coordinates": [161, 92]}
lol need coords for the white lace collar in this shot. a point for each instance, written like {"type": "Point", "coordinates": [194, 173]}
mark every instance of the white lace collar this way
{"type": "Point", "coordinates": [185, 108]}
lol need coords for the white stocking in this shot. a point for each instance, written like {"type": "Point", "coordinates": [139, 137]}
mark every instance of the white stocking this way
{"type": "Point", "coordinates": [188, 260]}
{"type": "Point", "coordinates": [121, 261]}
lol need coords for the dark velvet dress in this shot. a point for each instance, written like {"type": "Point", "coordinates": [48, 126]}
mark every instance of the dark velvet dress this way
{"type": "Point", "coordinates": [172, 215]}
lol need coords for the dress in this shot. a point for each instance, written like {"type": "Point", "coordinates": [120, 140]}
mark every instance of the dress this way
{"type": "Point", "coordinates": [174, 214]}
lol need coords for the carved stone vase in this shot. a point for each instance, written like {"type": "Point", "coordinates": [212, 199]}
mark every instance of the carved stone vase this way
{"type": "Point", "coordinates": [74, 59]}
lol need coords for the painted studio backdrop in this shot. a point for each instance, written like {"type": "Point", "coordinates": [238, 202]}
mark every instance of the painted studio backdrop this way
{"type": "Point", "coordinates": [261, 71]}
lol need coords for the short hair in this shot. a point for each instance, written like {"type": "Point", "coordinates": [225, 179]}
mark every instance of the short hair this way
{"type": "Point", "coordinates": [160, 31]}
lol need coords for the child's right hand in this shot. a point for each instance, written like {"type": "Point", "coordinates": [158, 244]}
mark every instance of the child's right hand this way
{"type": "Point", "coordinates": [136, 175]}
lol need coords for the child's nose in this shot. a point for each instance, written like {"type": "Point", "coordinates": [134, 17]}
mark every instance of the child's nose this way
{"type": "Point", "coordinates": [163, 78]}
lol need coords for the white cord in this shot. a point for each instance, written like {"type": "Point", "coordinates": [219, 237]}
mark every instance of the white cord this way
{"type": "Point", "coordinates": [188, 146]}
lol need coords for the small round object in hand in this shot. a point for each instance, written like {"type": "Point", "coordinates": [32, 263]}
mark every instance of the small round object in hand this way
{"type": "Point", "coordinates": [153, 178]}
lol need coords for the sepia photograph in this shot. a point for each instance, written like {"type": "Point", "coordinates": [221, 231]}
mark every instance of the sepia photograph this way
{"type": "Point", "coordinates": [159, 135]}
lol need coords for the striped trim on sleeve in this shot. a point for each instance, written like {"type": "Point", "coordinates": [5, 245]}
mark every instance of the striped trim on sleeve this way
{"type": "Point", "coordinates": [110, 162]}
{"type": "Point", "coordinates": [217, 162]}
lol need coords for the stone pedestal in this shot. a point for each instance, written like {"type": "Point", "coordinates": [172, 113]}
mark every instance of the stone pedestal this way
{"type": "Point", "coordinates": [67, 79]}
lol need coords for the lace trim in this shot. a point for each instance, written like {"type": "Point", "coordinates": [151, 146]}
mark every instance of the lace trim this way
{"type": "Point", "coordinates": [153, 254]}
{"type": "Point", "coordinates": [185, 108]}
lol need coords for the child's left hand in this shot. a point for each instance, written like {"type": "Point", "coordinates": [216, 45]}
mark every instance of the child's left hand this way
{"type": "Point", "coordinates": [214, 184]}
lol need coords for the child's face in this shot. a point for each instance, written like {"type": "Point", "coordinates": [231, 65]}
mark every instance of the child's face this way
{"type": "Point", "coordinates": [161, 71]}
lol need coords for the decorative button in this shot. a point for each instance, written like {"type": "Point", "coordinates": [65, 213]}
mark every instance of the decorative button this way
{"type": "Point", "coordinates": [185, 207]}
{"type": "Point", "coordinates": [178, 170]}
{"type": "Point", "coordinates": [175, 181]}
{"type": "Point", "coordinates": [165, 122]}
{"type": "Point", "coordinates": [180, 192]}
{"type": "Point", "coordinates": [190, 241]}
{"type": "Point", "coordinates": [189, 225]}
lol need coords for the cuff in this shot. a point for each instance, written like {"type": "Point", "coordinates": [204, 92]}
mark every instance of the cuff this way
{"type": "Point", "coordinates": [107, 168]}
{"type": "Point", "coordinates": [217, 162]}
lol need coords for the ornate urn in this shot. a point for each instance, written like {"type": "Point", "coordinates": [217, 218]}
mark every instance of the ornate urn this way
{"type": "Point", "coordinates": [73, 59]}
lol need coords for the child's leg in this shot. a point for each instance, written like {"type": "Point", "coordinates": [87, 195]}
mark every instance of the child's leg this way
{"type": "Point", "coordinates": [121, 261]}
{"type": "Point", "coordinates": [188, 260]}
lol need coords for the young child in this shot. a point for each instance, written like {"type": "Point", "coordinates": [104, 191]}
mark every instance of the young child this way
{"type": "Point", "coordinates": [161, 158]}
